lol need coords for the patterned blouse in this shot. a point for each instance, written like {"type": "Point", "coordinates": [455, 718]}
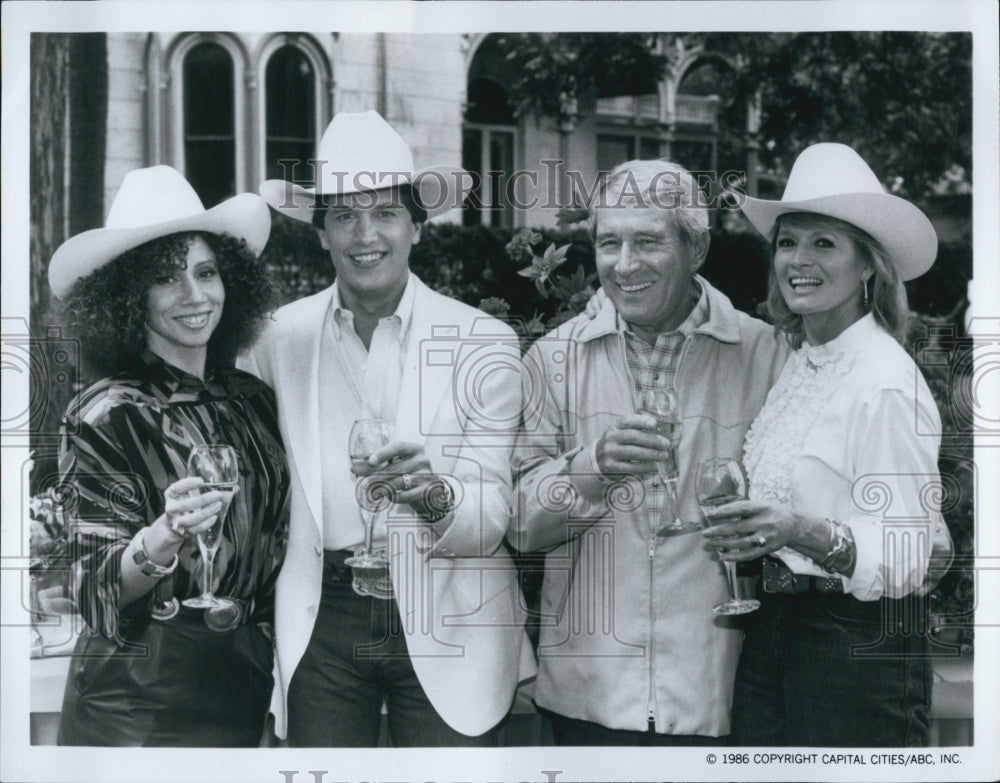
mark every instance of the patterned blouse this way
{"type": "Point", "coordinates": [126, 439]}
{"type": "Point", "coordinates": [851, 432]}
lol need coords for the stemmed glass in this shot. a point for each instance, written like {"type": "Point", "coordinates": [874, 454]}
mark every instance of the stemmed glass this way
{"type": "Point", "coordinates": [218, 467]}
{"type": "Point", "coordinates": [721, 481]}
{"type": "Point", "coordinates": [370, 568]}
{"type": "Point", "coordinates": [662, 405]}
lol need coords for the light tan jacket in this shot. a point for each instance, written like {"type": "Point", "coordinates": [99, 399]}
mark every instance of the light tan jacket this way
{"type": "Point", "coordinates": [627, 629]}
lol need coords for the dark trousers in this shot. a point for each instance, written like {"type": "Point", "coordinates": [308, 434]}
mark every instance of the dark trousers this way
{"type": "Point", "coordinates": [827, 670]}
{"type": "Point", "coordinates": [572, 731]}
{"type": "Point", "coordinates": [356, 659]}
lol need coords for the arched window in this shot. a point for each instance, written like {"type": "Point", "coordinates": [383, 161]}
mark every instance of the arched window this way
{"type": "Point", "coordinates": [290, 112]}
{"type": "Point", "coordinates": [209, 122]}
{"type": "Point", "coordinates": [489, 135]}
{"type": "Point", "coordinates": [705, 88]}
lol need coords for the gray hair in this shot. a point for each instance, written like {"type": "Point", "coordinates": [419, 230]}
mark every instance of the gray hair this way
{"type": "Point", "coordinates": [660, 184]}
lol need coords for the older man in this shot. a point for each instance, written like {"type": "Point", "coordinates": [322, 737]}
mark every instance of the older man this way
{"type": "Point", "coordinates": [436, 635]}
{"type": "Point", "coordinates": [630, 651]}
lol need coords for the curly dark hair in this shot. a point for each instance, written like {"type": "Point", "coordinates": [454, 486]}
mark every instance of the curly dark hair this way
{"type": "Point", "coordinates": [106, 310]}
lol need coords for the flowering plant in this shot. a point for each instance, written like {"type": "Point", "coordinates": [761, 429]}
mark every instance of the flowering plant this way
{"type": "Point", "coordinates": [48, 542]}
{"type": "Point", "coordinates": [50, 570]}
{"type": "Point", "coordinates": [542, 266]}
{"type": "Point", "coordinates": [570, 293]}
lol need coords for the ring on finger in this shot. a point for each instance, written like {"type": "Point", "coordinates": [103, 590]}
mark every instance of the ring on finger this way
{"type": "Point", "coordinates": [176, 527]}
{"type": "Point", "coordinates": [758, 539]}
{"type": "Point", "coordinates": [407, 481]}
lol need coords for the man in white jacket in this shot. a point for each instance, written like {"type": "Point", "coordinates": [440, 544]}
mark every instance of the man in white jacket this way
{"type": "Point", "coordinates": [437, 637]}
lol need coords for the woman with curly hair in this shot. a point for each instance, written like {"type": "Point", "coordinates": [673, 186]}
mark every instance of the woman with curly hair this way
{"type": "Point", "coordinates": [161, 300]}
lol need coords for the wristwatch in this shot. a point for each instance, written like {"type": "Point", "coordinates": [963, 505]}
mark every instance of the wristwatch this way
{"type": "Point", "coordinates": [842, 554]}
{"type": "Point", "coordinates": [438, 510]}
{"type": "Point", "coordinates": [141, 558]}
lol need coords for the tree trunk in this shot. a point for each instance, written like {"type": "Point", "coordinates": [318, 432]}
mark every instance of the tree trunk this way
{"type": "Point", "coordinates": [49, 156]}
{"type": "Point", "coordinates": [88, 113]}
{"type": "Point", "coordinates": [69, 104]}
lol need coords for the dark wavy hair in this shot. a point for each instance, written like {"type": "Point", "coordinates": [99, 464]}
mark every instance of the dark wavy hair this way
{"type": "Point", "coordinates": [106, 310]}
{"type": "Point", "coordinates": [402, 194]}
{"type": "Point", "coordinates": [888, 302]}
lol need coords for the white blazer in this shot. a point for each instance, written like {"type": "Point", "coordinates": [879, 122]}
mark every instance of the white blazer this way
{"type": "Point", "coordinates": [456, 588]}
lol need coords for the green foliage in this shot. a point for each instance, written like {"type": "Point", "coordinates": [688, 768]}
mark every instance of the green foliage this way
{"type": "Point", "coordinates": [933, 338]}
{"type": "Point", "coordinates": [557, 72]}
{"type": "Point", "coordinates": [903, 100]}
{"type": "Point", "coordinates": [294, 258]}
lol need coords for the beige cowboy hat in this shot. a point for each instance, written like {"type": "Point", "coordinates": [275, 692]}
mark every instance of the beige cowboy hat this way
{"type": "Point", "coordinates": [361, 152]}
{"type": "Point", "coordinates": [153, 203]}
{"type": "Point", "coordinates": [833, 180]}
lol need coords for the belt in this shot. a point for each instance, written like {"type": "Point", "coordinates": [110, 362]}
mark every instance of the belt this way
{"type": "Point", "coordinates": [236, 612]}
{"type": "Point", "coordinates": [778, 578]}
{"type": "Point", "coordinates": [376, 584]}
{"type": "Point", "coordinates": [333, 560]}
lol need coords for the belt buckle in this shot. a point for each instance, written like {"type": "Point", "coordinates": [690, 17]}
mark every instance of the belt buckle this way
{"type": "Point", "coordinates": [225, 617]}
{"type": "Point", "coordinates": [777, 578]}
{"type": "Point", "coordinates": [165, 610]}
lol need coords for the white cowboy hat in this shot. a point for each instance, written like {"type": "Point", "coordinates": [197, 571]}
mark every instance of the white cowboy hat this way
{"type": "Point", "coordinates": [153, 203]}
{"type": "Point", "coordinates": [361, 152]}
{"type": "Point", "coordinates": [833, 180]}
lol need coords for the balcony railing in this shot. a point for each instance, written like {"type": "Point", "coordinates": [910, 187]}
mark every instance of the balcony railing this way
{"type": "Point", "coordinates": [643, 107]}
{"type": "Point", "coordinates": [696, 109]}
{"type": "Point", "coordinates": [688, 109]}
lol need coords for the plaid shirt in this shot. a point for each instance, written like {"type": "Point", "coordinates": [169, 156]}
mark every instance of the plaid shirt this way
{"type": "Point", "coordinates": [655, 367]}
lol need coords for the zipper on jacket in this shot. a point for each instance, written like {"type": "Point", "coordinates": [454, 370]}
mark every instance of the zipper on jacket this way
{"type": "Point", "coordinates": [651, 553]}
{"type": "Point", "coordinates": [651, 697]}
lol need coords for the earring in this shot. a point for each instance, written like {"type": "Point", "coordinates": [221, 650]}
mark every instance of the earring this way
{"type": "Point", "coordinates": [864, 282]}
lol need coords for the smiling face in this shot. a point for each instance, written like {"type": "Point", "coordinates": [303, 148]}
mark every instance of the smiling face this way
{"type": "Point", "coordinates": [645, 266]}
{"type": "Point", "coordinates": [819, 270]}
{"type": "Point", "coordinates": [183, 308]}
{"type": "Point", "coordinates": [369, 237]}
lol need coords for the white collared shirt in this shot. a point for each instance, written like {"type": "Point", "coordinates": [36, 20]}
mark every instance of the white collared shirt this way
{"type": "Point", "coordinates": [355, 383]}
{"type": "Point", "coordinates": [850, 432]}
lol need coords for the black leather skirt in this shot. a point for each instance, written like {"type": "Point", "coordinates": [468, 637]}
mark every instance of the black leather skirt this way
{"type": "Point", "coordinates": [176, 683]}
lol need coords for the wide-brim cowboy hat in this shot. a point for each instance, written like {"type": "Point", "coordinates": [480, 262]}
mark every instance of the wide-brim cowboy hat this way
{"type": "Point", "coordinates": [360, 152]}
{"type": "Point", "coordinates": [833, 180]}
{"type": "Point", "coordinates": [153, 203]}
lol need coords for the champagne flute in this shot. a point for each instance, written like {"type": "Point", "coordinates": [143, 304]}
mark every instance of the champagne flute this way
{"type": "Point", "coordinates": [370, 568]}
{"type": "Point", "coordinates": [721, 481]}
{"type": "Point", "coordinates": [662, 405]}
{"type": "Point", "coordinates": [219, 468]}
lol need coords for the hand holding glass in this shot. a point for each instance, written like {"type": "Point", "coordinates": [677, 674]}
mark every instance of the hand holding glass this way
{"type": "Point", "coordinates": [218, 467]}
{"type": "Point", "coordinates": [721, 481]}
{"type": "Point", "coordinates": [662, 405]}
{"type": "Point", "coordinates": [370, 568]}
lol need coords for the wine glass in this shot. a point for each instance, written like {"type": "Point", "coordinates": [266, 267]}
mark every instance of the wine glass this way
{"type": "Point", "coordinates": [370, 568]}
{"type": "Point", "coordinates": [662, 405]}
{"type": "Point", "coordinates": [721, 481]}
{"type": "Point", "coordinates": [218, 467]}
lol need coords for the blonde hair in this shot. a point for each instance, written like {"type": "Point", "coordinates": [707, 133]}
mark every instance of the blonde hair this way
{"type": "Point", "coordinates": [887, 303]}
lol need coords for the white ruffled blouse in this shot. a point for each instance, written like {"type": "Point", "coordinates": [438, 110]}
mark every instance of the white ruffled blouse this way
{"type": "Point", "coordinates": [850, 432]}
